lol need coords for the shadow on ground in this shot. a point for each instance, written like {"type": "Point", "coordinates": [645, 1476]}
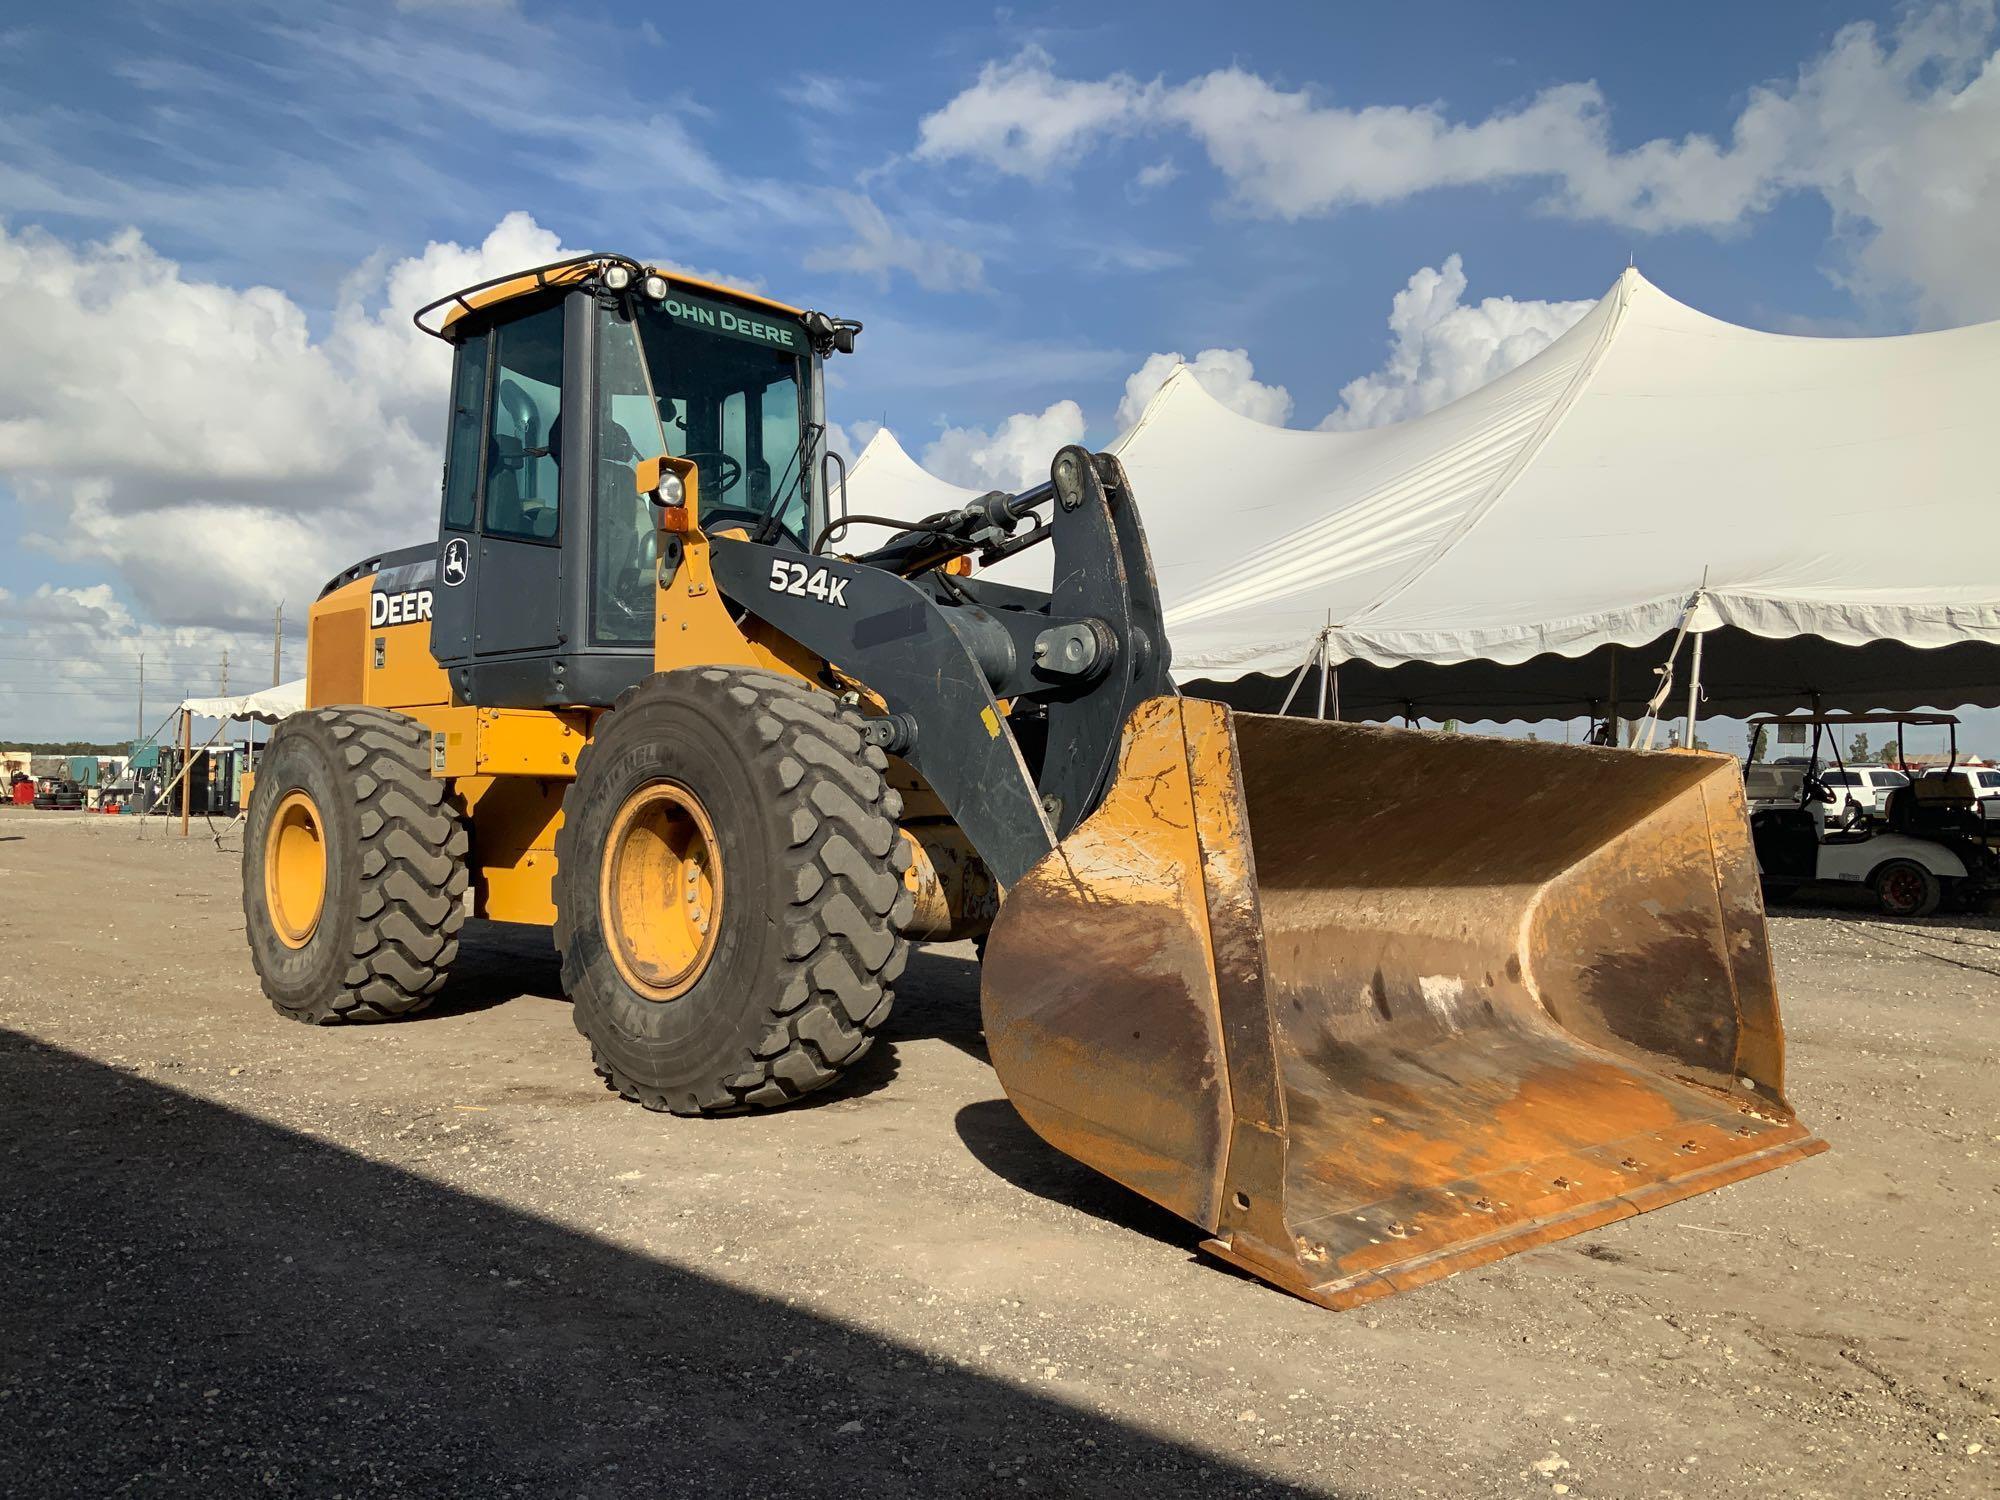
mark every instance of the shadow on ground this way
{"type": "Point", "coordinates": [1002, 1142]}
{"type": "Point", "coordinates": [498, 962]}
{"type": "Point", "coordinates": [197, 1300]}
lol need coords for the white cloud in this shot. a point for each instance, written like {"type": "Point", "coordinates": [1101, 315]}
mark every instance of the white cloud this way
{"type": "Point", "coordinates": [827, 96]}
{"type": "Point", "coordinates": [71, 665]}
{"type": "Point", "coordinates": [1898, 133]}
{"type": "Point", "coordinates": [1442, 347]}
{"type": "Point", "coordinates": [879, 248]}
{"type": "Point", "coordinates": [1151, 179]}
{"type": "Point", "coordinates": [1225, 374]}
{"type": "Point", "coordinates": [1288, 156]}
{"type": "Point", "coordinates": [1013, 456]}
{"type": "Point", "coordinates": [1020, 118]}
{"type": "Point", "coordinates": [200, 441]}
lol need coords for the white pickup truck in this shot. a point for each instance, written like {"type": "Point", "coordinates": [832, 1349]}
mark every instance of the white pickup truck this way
{"type": "Point", "coordinates": [1860, 793]}
{"type": "Point", "coordinates": [1986, 789]}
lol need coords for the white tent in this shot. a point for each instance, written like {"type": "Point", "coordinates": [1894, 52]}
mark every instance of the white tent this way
{"type": "Point", "coordinates": [886, 481]}
{"type": "Point", "coordinates": [1811, 504]}
{"type": "Point", "coordinates": [266, 706]}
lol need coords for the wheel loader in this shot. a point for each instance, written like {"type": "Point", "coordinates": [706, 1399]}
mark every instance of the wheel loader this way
{"type": "Point", "coordinates": [646, 689]}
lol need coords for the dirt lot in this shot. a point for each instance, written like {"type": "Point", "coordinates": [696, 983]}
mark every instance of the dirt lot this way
{"type": "Point", "coordinates": [238, 1255]}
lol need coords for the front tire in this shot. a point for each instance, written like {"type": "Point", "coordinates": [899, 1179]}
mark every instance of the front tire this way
{"type": "Point", "coordinates": [354, 868]}
{"type": "Point", "coordinates": [729, 891]}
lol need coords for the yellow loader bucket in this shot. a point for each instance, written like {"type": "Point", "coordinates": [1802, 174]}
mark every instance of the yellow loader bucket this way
{"type": "Point", "coordinates": [1373, 1006]}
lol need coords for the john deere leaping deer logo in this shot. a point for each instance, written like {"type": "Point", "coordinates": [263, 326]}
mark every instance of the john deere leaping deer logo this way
{"type": "Point", "coordinates": [455, 554]}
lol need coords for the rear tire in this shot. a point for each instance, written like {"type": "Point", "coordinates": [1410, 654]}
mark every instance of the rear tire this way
{"type": "Point", "coordinates": [392, 897]}
{"type": "Point", "coordinates": [1904, 888]}
{"type": "Point", "coordinates": [793, 982]}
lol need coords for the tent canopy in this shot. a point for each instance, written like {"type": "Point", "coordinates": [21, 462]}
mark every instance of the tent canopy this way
{"type": "Point", "coordinates": [1653, 467]}
{"type": "Point", "coordinates": [266, 707]}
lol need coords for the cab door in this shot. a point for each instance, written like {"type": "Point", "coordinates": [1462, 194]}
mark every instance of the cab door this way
{"type": "Point", "coordinates": [516, 565]}
{"type": "Point", "coordinates": [499, 566]}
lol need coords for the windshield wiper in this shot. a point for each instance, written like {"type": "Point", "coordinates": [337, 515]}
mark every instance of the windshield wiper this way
{"type": "Point", "coordinates": [809, 437]}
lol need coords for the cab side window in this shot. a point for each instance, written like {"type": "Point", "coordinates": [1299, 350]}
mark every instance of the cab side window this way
{"type": "Point", "coordinates": [524, 446]}
{"type": "Point", "coordinates": [468, 427]}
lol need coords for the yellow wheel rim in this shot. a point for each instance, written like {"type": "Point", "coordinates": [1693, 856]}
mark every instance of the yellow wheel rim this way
{"type": "Point", "coordinates": [295, 869]}
{"type": "Point", "coordinates": [661, 890]}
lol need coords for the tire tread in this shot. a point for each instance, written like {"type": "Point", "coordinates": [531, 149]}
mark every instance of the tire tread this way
{"type": "Point", "coordinates": [840, 882]}
{"type": "Point", "coordinates": [412, 870]}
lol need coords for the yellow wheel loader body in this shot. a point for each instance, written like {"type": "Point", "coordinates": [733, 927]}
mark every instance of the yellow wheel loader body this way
{"type": "Point", "coordinates": [1369, 1006]}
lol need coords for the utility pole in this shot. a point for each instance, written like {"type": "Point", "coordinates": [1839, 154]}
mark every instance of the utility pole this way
{"type": "Point", "coordinates": [224, 689]}
{"type": "Point", "coordinates": [141, 730]}
{"type": "Point", "coordinates": [277, 641]}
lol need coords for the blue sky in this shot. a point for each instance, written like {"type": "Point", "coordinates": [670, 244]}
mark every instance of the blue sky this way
{"type": "Point", "coordinates": [1024, 204]}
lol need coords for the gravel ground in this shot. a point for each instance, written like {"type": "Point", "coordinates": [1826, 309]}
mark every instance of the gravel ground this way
{"type": "Point", "coordinates": [239, 1255]}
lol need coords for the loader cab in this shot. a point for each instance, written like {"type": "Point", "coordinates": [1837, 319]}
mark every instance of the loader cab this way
{"type": "Point", "coordinates": [547, 552]}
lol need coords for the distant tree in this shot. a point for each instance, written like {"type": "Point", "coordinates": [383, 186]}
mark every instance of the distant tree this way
{"type": "Point", "coordinates": [1757, 743]}
{"type": "Point", "coordinates": [1858, 748]}
{"type": "Point", "coordinates": [1700, 743]}
{"type": "Point", "coordinates": [1450, 726]}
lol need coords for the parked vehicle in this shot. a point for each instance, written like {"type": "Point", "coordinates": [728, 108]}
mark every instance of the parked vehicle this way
{"type": "Point", "coordinates": [1860, 792]}
{"type": "Point", "coordinates": [1986, 791]}
{"type": "Point", "coordinates": [1927, 849]}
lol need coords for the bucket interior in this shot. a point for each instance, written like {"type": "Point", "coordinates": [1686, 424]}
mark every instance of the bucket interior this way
{"type": "Point", "coordinates": [1514, 986]}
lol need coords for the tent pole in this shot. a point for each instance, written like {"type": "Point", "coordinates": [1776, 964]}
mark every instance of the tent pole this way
{"type": "Point", "coordinates": [187, 753]}
{"type": "Point", "coordinates": [1616, 730]}
{"type": "Point", "coordinates": [1299, 677]}
{"type": "Point", "coordinates": [1324, 672]}
{"type": "Point", "coordinates": [1336, 694]}
{"type": "Point", "coordinates": [1666, 673]}
{"type": "Point", "coordinates": [1694, 695]}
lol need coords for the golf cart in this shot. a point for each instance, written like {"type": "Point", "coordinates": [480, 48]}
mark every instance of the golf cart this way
{"type": "Point", "coordinates": [1929, 848]}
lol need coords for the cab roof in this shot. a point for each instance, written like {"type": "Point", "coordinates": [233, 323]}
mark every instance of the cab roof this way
{"type": "Point", "coordinates": [571, 272]}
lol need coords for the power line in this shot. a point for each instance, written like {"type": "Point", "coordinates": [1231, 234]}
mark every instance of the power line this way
{"type": "Point", "coordinates": [58, 659]}
{"type": "Point", "coordinates": [75, 692]}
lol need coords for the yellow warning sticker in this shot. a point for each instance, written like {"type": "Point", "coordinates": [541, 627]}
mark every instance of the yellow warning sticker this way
{"type": "Point", "coordinates": [991, 720]}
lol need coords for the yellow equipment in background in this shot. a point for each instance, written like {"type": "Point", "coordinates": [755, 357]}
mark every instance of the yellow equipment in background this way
{"type": "Point", "coordinates": [1264, 971]}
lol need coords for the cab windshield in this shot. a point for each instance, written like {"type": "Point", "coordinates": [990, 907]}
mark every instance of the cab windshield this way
{"type": "Point", "coordinates": [724, 386]}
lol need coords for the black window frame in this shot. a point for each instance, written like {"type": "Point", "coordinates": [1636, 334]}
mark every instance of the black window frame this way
{"type": "Point", "coordinates": [604, 310]}
{"type": "Point", "coordinates": [473, 525]}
